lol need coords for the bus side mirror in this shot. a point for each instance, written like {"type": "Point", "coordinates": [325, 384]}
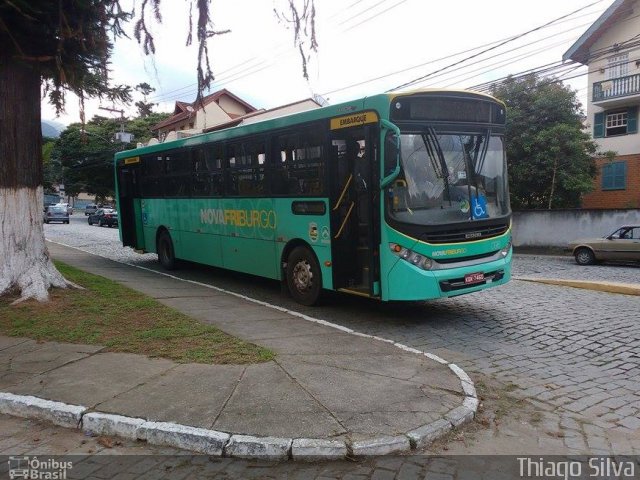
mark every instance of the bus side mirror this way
{"type": "Point", "coordinates": [391, 153]}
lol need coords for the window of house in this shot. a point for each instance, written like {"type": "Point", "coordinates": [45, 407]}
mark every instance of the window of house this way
{"type": "Point", "coordinates": [617, 66]}
{"type": "Point", "coordinates": [616, 124]}
{"type": "Point", "coordinates": [614, 176]}
{"type": "Point", "coordinates": [612, 123]}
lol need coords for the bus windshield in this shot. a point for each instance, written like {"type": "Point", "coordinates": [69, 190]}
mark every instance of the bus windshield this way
{"type": "Point", "coordinates": [450, 178]}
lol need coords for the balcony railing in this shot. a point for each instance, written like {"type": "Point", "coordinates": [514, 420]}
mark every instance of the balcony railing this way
{"type": "Point", "coordinates": [616, 88]}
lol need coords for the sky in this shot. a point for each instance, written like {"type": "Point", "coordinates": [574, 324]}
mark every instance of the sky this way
{"type": "Point", "coordinates": [364, 47]}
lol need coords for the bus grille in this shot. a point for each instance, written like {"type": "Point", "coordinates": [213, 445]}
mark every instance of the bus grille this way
{"type": "Point", "coordinates": [466, 259]}
{"type": "Point", "coordinates": [465, 235]}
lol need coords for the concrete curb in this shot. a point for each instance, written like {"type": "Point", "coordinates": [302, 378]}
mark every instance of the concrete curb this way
{"type": "Point", "coordinates": [215, 443]}
{"type": "Point", "coordinates": [600, 286]}
{"type": "Point", "coordinates": [27, 406]}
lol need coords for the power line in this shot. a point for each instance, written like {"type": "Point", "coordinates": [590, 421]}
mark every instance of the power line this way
{"type": "Point", "coordinates": [492, 48]}
{"type": "Point", "coordinates": [376, 15]}
{"type": "Point", "coordinates": [253, 69]}
{"type": "Point", "coordinates": [363, 82]}
{"type": "Point", "coordinates": [602, 52]}
{"type": "Point", "coordinates": [512, 59]}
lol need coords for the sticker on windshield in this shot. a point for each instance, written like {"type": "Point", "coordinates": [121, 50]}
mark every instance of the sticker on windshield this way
{"type": "Point", "coordinates": [479, 207]}
{"type": "Point", "coordinates": [464, 206]}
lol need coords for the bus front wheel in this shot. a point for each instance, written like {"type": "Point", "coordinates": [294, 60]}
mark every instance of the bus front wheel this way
{"type": "Point", "coordinates": [166, 255]}
{"type": "Point", "coordinates": [304, 278]}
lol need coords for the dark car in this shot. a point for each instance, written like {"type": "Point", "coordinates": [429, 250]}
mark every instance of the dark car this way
{"type": "Point", "coordinates": [622, 245]}
{"type": "Point", "coordinates": [90, 208]}
{"type": "Point", "coordinates": [104, 216]}
{"type": "Point", "coordinates": [56, 213]}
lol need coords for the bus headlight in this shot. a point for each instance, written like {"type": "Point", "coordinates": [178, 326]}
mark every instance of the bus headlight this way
{"type": "Point", "coordinates": [420, 261]}
{"type": "Point", "coordinates": [505, 251]}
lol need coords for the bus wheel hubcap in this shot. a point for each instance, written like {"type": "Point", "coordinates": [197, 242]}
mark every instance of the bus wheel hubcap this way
{"type": "Point", "coordinates": [302, 276]}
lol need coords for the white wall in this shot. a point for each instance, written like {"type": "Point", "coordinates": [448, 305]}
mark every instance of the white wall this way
{"type": "Point", "coordinates": [211, 115]}
{"type": "Point", "coordinates": [556, 228]}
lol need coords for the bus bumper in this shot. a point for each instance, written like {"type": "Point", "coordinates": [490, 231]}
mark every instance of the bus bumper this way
{"type": "Point", "coordinates": [408, 282]}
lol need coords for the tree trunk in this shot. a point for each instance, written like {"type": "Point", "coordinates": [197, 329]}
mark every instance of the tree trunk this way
{"type": "Point", "coordinates": [25, 266]}
{"type": "Point", "coordinates": [553, 184]}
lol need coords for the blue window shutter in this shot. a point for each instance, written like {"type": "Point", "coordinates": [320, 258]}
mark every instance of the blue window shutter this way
{"type": "Point", "coordinates": [614, 176]}
{"type": "Point", "coordinates": [598, 125]}
{"type": "Point", "coordinates": [620, 179]}
{"type": "Point", "coordinates": [607, 183]}
{"type": "Point", "coordinates": [632, 120]}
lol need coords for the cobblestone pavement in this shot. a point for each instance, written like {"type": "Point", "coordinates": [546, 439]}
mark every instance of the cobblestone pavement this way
{"type": "Point", "coordinates": [572, 354]}
{"type": "Point", "coordinates": [565, 267]}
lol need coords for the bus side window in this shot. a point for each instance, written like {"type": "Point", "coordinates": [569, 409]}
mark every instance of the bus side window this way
{"type": "Point", "coordinates": [200, 174]}
{"type": "Point", "coordinates": [232, 179]}
{"type": "Point", "coordinates": [257, 150]}
{"type": "Point", "coordinates": [247, 168]}
{"type": "Point", "coordinates": [284, 183]}
{"type": "Point", "coordinates": [152, 176]}
{"type": "Point", "coordinates": [177, 182]}
{"type": "Point", "coordinates": [301, 167]}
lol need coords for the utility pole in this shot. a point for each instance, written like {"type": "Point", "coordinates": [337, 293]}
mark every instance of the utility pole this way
{"type": "Point", "coordinates": [121, 136]}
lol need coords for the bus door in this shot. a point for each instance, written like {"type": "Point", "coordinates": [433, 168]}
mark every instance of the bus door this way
{"type": "Point", "coordinates": [129, 204]}
{"type": "Point", "coordinates": [354, 205]}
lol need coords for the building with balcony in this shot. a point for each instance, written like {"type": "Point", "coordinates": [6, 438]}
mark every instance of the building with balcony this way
{"type": "Point", "coordinates": [611, 50]}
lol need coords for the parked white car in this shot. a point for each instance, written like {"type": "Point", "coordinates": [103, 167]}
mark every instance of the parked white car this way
{"type": "Point", "coordinates": [67, 206]}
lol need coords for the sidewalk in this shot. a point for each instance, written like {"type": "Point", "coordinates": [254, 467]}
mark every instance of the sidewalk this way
{"type": "Point", "coordinates": [330, 392]}
{"type": "Point", "coordinates": [598, 286]}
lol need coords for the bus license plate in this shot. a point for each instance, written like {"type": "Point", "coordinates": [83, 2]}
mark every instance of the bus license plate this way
{"type": "Point", "coordinates": [472, 278]}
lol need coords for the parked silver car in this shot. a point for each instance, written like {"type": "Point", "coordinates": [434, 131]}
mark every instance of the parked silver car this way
{"type": "Point", "coordinates": [90, 209]}
{"type": "Point", "coordinates": [56, 213]}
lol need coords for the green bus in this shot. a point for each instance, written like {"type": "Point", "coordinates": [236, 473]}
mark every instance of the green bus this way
{"type": "Point", "coordinates": [399, 196]}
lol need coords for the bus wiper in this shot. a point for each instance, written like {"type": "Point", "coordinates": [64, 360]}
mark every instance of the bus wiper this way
{"type": "Point", "coordinates": [480, 155]}
{"type": "Point", "coordinates": [434, 150]}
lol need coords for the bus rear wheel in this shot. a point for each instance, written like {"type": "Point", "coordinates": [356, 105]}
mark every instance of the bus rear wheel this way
{"type": "Point", "coordinates": [304, 278]}
{"type": "Point", "coordinates": [166, 255]}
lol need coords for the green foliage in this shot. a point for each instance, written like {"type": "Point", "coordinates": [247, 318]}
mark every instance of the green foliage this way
{"type": "Point", "coordinates": [549, 153]}
{"type": "Point", "coordinates": [69, 41]}
{"type": "Point", "coordinates": [141, 126]}
{"type": "Point", "coordinates": [145, 108]}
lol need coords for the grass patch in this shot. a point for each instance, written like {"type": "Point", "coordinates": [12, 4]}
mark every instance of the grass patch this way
{"type": "Point", "coordinates": [123, 320]}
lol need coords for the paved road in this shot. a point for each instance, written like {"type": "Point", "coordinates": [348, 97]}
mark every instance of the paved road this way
{"type": "Point", "coordinates": [572, 354]}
